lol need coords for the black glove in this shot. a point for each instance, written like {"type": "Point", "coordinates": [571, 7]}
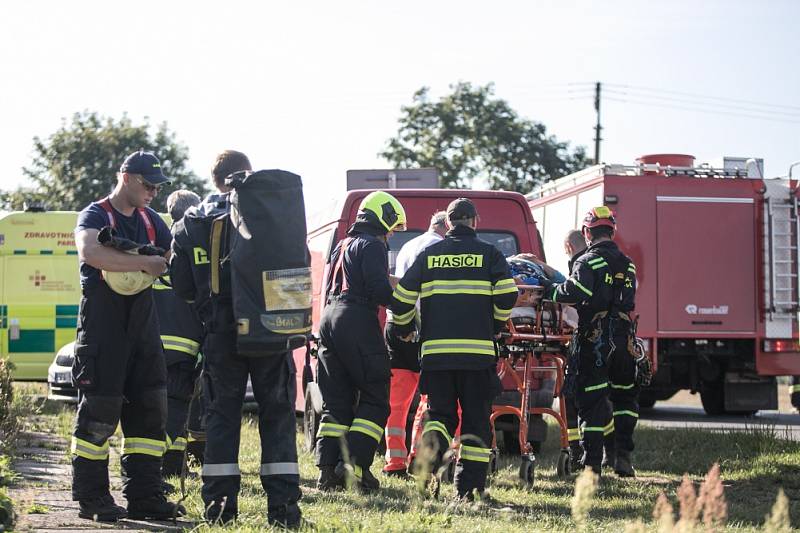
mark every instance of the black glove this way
{"type": "Point", "coordinates": [394, 331]}
{"type": "Point", "coordinates": [547, 288]}
{"type": "Point", "coordinates": [108, 237]}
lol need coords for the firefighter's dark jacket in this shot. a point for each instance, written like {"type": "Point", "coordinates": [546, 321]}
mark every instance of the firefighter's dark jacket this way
{"type": "Point", "coordinates": [603, 279]}
{"type": "Point", "coordinates": [190, 266]}
{"type": "Point", "coordinates": [466, 294]}
{"type": "Point", "coordinates": [179, 324]}
{"type": "Point", "coordinates": [365, 266]}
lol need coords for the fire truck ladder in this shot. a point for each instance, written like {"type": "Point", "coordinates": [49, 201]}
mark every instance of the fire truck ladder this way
{"type": "Point", "coordinates": [783, 232]}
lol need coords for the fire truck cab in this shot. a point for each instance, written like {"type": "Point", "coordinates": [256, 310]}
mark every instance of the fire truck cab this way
{"type": "Point", "coordinates": [716, 253]}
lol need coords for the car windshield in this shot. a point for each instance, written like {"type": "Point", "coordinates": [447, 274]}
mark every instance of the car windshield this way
{"type": "Point", "coordinates": [504, 241]}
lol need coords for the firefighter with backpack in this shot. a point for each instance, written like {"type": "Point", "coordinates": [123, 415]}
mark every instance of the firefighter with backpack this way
{"type": "Point", "coordinates": [354, 371]}
{"type": "Point", "coordinates": [204, 270]}
{"type": "Point", "coordinates": [602, 367]}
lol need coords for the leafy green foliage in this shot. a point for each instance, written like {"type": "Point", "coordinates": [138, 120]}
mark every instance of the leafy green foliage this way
{"type": "Point", "coordinates": [471, 135]}
{"type": "Point", "coordinates": [78, 163]}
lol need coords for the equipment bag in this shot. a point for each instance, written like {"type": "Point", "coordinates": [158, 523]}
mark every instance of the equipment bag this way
{"type": "Point", "coordinates": [269, 261]}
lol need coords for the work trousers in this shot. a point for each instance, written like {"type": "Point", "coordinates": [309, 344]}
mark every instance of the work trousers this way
{"type": "Point", "coordinates": [120, 372]}
{"type": "Point", "coordinates": [404, 360]}
{"type": "Point", "coordinates": [624, 397]}
{"type": "Point", "coordinates": [474, 390]}
{"type": "Point", "coordinates": [225, 382]}
{"type": "Point", "coordinates": [181, 377]}
{"type": "Point", "coordinates": [353, 376]}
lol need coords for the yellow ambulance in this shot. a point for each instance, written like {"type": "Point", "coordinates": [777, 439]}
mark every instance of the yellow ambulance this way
{"type": "Point", "coordinates": [39, 288]}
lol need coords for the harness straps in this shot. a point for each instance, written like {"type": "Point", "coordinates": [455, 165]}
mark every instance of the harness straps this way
{"type": "Point", "coordinates": [338, 268]}
{"type": "Point", "coordinates": [148, 224]}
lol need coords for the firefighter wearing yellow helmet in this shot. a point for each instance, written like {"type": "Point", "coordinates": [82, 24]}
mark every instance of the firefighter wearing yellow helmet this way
{"type": "Point", "coordinates": [353, 361]}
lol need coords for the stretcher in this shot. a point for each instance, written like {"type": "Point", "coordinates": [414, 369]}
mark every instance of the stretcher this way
{"type": "Point", "coordinates": [530, 351]}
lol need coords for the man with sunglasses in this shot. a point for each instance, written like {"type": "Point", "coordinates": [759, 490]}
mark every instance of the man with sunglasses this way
{"type": "Point", "coordinates": [119, 365]}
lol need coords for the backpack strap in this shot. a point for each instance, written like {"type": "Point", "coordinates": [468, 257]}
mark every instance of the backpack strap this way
{"type": "Point", "coordinates": [216, 242]}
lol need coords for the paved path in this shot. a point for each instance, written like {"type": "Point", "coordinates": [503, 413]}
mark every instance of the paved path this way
{"type": "Point", "coordinates": [685, 410]}
{"type": "Point", "coordinates": [44, 485]}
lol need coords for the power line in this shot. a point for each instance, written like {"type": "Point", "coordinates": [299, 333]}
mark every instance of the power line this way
{"type": "Point", "coordinates": [734, 107]}
{"type": "Point", "coordinates": [700, 110]}
{"type": "Point", "coordinates": [703, 96]}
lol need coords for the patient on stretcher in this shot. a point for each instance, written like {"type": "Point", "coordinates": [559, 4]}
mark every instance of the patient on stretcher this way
{"type": "Point", "coordinates": [528, 271]}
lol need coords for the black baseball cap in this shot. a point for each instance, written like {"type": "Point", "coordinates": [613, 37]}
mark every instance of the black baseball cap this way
{"type": "Point", "coordinates": [461, 208]}
{"type": "Point", "coordinates": [146, 164]}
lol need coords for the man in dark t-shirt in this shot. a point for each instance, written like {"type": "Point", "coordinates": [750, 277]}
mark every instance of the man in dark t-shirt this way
{"type": "Point", "coordinates": [119, 365]}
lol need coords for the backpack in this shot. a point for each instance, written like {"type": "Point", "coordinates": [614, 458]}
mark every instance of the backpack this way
{"type": "Point", "coordinates": [264, 239]}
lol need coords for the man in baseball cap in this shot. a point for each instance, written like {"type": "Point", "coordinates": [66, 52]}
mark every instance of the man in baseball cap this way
{"type": "Point", "coordinates": [146, 165]}
{"type": "Point", "coordinates": [461, 209]}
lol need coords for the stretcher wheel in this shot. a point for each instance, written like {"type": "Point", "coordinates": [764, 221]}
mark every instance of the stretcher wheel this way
{"type": "Point", "coordinates": [527, 470]}
{"type": "Point", "coordinates": [562, 468]}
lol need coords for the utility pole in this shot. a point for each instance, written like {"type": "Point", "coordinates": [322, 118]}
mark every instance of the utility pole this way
{"type": "Point", "coordinates": [597, 127]}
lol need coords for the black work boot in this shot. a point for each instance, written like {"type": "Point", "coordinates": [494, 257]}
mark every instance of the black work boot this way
{"type": "Point", "coordinates": [286, 516]}
{"type": "Point", "coordinates": [102, 509]}
{"type": "Point", "coordinates": [368, 483]}
{"type": "Point", "coordinates": [402, 473]}
{"type": "Point", "coordinates": [156, 507]}
{"type": "Point", "coordinates": [623, 466]}
{"type": "Point", "coordinates": [330, 478]}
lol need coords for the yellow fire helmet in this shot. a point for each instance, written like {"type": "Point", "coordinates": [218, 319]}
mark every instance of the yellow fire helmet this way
{"type": "Point", "coordinates": [128, 283]}
{"type": "Point", "coordinates": [387, 208]}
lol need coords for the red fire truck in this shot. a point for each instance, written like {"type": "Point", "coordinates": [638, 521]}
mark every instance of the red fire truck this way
{"type": "Point", "coordinates": [716, 255]}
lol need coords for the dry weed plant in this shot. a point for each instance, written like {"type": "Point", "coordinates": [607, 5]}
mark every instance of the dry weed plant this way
{"type": "Point", "coordinates": [585, 490]}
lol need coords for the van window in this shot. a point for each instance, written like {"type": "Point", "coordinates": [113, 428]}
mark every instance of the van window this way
{"type": "Point", "coordinates": [503, 241]}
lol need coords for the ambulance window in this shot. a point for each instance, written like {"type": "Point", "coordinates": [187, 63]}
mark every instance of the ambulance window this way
{"type": "Point", "coordinates": [505, 242]}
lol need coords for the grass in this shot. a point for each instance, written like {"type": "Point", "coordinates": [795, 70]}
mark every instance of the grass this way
{"type": "Point", "coordinates": [754, 465]}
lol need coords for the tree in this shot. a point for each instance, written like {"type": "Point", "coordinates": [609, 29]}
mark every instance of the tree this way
{"type": "Point", "coordinates": [470, 135]}
{"type": "Point", "coordinates": [78, 164]}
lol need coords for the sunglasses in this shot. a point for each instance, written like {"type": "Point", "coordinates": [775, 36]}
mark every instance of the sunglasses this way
{"type": "Point", "coordinates": [148, 186]}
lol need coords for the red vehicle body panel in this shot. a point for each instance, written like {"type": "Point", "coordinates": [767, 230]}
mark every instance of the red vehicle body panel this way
{"type": "Point", "coordinates": [697, 244]}
{"type": "Point", "coordinates": [499, 211]}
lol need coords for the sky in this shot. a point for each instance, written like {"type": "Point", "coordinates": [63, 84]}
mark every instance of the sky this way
{"type": "Point", "coordinates": [317, 87]}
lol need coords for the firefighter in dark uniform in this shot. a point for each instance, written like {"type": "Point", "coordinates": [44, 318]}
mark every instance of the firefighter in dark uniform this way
{"type": "Point", "coordinates": [602, 370]}
{"type": "Point", "coordinates": [574, 247]}
{"type": "Point", "coordinates": [225, 372]}
{"type": "Point", "coordinates": [794, 389]}
{"type": "Point", "coordinates": [181, 336]}
{"type": "Point", "coordinates": [119, 361]}
{"type": "Point", "coordinates": [466, 294]}
{"type": "Point", "coordinates": [353, 371]}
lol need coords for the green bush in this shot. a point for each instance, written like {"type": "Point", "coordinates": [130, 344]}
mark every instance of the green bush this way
{"type": "Point", "coordinates": [7, 514]}
{"type": "Point", "coordinates": [8, 420]}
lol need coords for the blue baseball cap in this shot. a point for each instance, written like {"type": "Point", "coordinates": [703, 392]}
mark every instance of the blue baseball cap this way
{"type": "Point", "coordinates": [146, 164]}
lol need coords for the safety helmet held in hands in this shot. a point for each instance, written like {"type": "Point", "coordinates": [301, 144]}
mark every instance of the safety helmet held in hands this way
{"type": "Point", "coordinates": [389, 211]}
{"type": "Point", "coordinates": [600, 216]}
{"type": "Point", "coordinates": [128, 283]}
